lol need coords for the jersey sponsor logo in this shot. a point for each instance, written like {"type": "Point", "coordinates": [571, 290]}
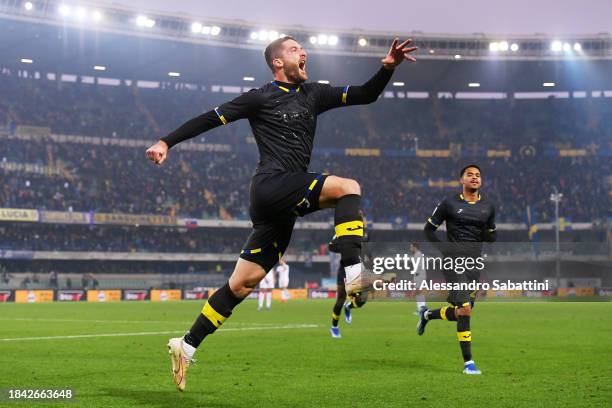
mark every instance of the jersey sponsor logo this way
{"type": "Point", "coordinates": [354, 228]}
{"type": "Point", "coordinates": [460, 211]}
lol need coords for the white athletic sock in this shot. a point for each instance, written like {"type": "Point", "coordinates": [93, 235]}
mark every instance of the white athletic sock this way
{"type": "Point", "coordinates": [268, 299]}
{"type": "Point", "coordinates": [188, 349]}
{"type": "Point", "coordinates": [469, 362]}
{"type": "Point", "coordinates": [260, 298]}
{"type": "Point", "coordinates": [353, 271]}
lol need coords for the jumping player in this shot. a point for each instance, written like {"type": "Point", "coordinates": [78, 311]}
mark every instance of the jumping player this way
{"type": "Point", "coordinates": [283, 117]}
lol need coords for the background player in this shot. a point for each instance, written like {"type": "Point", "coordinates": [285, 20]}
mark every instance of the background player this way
{"type": "Point", "coordinates": [265, 291]}
{"type": "Point", "coordinates": [282, 270]}
{"type": "Point", "coordinates": [420, 275]}
{"type": "Point", "coordinates": [283, 116]}
{"type": "Point", "coordinates": [470, 220]}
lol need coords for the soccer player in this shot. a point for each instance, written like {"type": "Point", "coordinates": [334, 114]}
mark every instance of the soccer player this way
{"type": "Point", "coordinates": [470, 220]}
{"type": "Point", "coordinates": [282, 269]}
{"type": "Point", "coordinates": [355, 300]}
{"type": "Point", "coordinates": [283, 117]}
{"type": "Point", "coordinates": [265, 290]}
{"type": "Point", "coordinates": [420, 275]}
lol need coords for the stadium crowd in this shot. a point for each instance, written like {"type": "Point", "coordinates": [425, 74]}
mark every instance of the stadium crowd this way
{"type": "Point", "coordinates": [86, 177]}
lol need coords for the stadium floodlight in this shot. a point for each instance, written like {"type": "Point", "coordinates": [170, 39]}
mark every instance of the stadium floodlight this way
{"type": "Point", "coordinates": [362, 42]}
{"type": "Point", "coordinates": [494, 46]}
{"type": "Point", "coordinates": [432, 51]}
{"type": "Point", "coordinates": [263, 35]}
{"type": "Point", "coordinates": [81, 13]}
{"type": "Point", "coordinates": [254, 35]}
{"type": "Point", "coordinates": [566, 47]}
{"type": "Point", "coordinates": [322, 39]}
{"type": "Point", "coordinates": [174, 74]}
{"type": "Point", "coordinates": [215, 30]}
{"type": "Point", "coordinates": [206, 30]}
{"type": "Point", "coordinates": [27, 60]}
{"type": "Point", "coordinates": [514, 47]}
{"type": "Point", "coordinates": [313, 39]}
{"type": "Point", "coordinates": [503, 46]}
{"type": "Point", "coordinates": [99, 68]}
{"type": "Point", "coordinates": [333, 40]}
{"type": "Point", "coordinates": [556, 46]}
{"type": "Point", "coordinates": [144, 21]}
{"type": "Point", "coordinates": [474, 84]}
{"type": "Point", "coordinates": [196, 27]}
{"type": "Point", "coordinates": [248, 78]}
{"type": "Point", "coordinates": [96, 15]}
{"type": "Point", "coordinates": [28, 5]}
{"type": "Point", "coordinates": [457, 56]}
{"type": "Point", "coordinates": [398, 83]}
{"type": "Point", "coordinates": [272, 35]}
{"type": "Point", "coordinates": [64, 10]}
{"type": "Point", "coordinates": [577, 46]}
{"type": "Point", "coordinates": [548, 84]}
{"type": "Point", "coordinates": [323, 81]}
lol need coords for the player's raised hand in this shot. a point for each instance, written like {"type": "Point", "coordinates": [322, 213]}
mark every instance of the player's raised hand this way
{"type": "Point", "coordinates": [398, 53]}
{"type": "Point", "coordinates": [158, 152]}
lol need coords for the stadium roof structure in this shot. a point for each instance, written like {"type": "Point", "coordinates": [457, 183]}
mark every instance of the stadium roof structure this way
{"type": "Point", "coordinates": [248, 35]}
{"type": "Point", "coordinates": [110, 45]}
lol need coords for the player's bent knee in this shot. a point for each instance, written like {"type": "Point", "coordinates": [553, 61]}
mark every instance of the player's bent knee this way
{"type": "Point", "coordinates": [464, 311]}
{"type": "Point", "coordinates": [350, 186]}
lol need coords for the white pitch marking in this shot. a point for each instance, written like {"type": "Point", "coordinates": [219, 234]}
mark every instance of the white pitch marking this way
{"type": "Point", "coordinates": [84, 336]}
{"type": "Point", "coordinates": [28, 319]}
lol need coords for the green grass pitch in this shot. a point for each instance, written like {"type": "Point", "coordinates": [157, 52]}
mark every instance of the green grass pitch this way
{"type": "Point", "coordinates": [532, 354]}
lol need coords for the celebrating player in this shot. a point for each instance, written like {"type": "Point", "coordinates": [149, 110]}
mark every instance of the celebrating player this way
{"type": "Point", "coordinates": [283, 117]}
{"type": "Point", "coordinates": [470, 220]}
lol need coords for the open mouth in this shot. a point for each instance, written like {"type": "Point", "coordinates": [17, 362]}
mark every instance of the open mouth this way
{"type": "Point", "coordinates": [302, 66]}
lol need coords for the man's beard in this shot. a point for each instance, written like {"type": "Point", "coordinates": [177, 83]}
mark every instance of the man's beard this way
{"type": "Point", "coordinates": [293, 74]}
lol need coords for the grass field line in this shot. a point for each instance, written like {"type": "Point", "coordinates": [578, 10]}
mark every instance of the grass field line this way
{"type": "Point", "coordinates": [85, 336]}
{"type": "Point", "coordinates": [34, 319]}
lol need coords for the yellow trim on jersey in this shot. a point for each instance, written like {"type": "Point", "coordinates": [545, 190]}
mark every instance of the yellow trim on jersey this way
{"type": "Point", "coordinates": [345, 94]}
{"type": "Point", "coordinates": [211, 314]}
{"type": "Point", "coordinates": [432, 223]}
{"type": "Point", "coordinates": [464, 336]}
{"type": "Point", "coordinates": [221, 117]}
{"type": "Point", "coordinates": [349, 228]}
{"type": "Point", "coordinates": [470, 202]}
{"type": "Point", "coordinates": [287, 89]}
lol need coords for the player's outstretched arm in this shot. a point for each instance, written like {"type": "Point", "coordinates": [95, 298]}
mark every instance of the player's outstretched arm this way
{"type": "Point", "coordinates": [371, 90]}
{"type": "Point", "coordinates": [333, 97]}
{"type": "Point", "coordinates": [239, 108]}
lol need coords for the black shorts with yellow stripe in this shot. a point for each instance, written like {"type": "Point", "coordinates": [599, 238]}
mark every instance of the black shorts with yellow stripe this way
{"type": "Point", "coordinates": [277, 199]}
{"type": "Point", "coordinates": [461, 297]}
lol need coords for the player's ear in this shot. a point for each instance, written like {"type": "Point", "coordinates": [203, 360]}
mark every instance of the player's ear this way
{"type": "Point", "coordinates": [278, 63]}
